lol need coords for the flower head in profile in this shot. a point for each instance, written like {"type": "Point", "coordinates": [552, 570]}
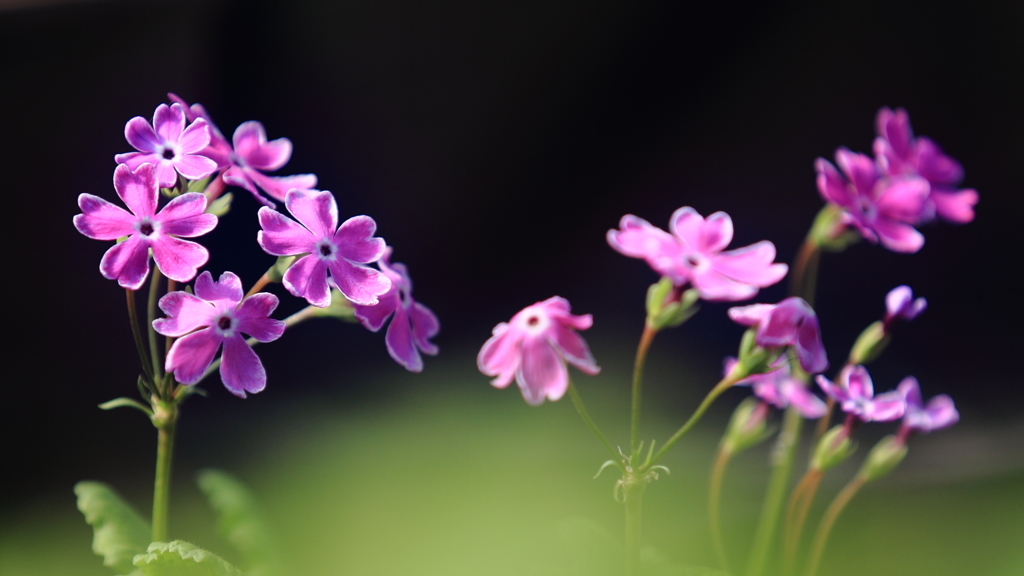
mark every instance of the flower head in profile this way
{"type": "Point", "coordinates": [533, 348]}
{"type": "Point", "coordinates": [791, 322]}
{"type": "Point", "coordinates": [899, 153]}
{"type": "Point", "coordinates": [325, 247]}
{"type": "Point", "coordinates": [217, 316]}
{"type": "Point", "coordinates": [412, 325]}
{"type": "Point", "coordinates": [146, 229]}
{"type": "Point", "coordinates": [856, 395]}
{"type": "Point", "coordinates": [694, 253]}
{"type": "Point", "coordinates": [780, 389]}
{"type": "Point", "coordinates": [900, 304]}
{"type": "Point", "coordinates": [168, 145]}
{"type": "Point", "coordinates": [940, 412]}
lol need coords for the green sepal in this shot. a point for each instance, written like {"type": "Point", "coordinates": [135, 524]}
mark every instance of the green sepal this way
{"type": "Point", "coordinates": [119, 532]}
{"type": "Point", "coordinates": [179, 558]}
{"type": "Point", "coordinates": [657, 293]}
{"type": "Point", "coordinates": [833, 449]}
{"type": "Point", "coordinates": [746, 427]}
{"type": "Point", "coordinates": [828, 231]}
{"type": "Point", "coordinates": [198, 185]}
{"type": "Point", "coordinates": [276, 272]}
{"type": "Point", "coordinates": [339, 308]}
{"type": "Point", "coordinates": [241, 521]}
{"type": "Point", "coordinates": [883, 458]}
{"type": "Point", "coordinates": [126, 402]}
{"type": "Point", "coordinates": [752, 358]}
{"type": "Point", "coordinates": [169, 192]}
{"type": "Point", "coordinates": [663, 311]}
{"type": "Point", "coordinates": [871, 342]}
{"type": "Point", "coordinates": [221, 205]}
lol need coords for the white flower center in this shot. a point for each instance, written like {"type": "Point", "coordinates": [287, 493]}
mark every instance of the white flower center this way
{"type": "Point", "coordinates": [225, 325]}
{"type": "Point", "coordinates": [325, 250]}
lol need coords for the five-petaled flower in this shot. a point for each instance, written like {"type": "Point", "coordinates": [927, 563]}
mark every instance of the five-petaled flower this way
{"type": "Point", "coordinates": [693, 253]}
{"type": "Point", "coordinates": [938, 413]}
{"type": "Point", "coordinates": [780, 389]}
{"type": "Point", "coordinates": [168, 145]}
{"type": "Point", "coordinates": [216, 315]}
{"type": "Point", "coordinates": [146, 229]}
{"type": "Point", "coordinates": [325, 246]}
{"type": "Point", "coordinates": [856, 395]}
{"type": "Point", "coordinates": [534, 346]}
{"type": "Point", "coordinates": [413, 324]}
{"type": "Point", "coordinates": [791, 322]}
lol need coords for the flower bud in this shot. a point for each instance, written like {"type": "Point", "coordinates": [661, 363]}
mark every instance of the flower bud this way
{"type": "Point", "coordinates": [869, 344]}
{"type": "Point", "coordinates": [885, 456]}
{"type": "Point", "coordinates": [667, 310]}
{"type": "Point", "coordinates": [747, 427]}
{"type": "Point", "coordinates": [754, 359]}
{"type": "Point", "coordinates": [833, 449]}
{"type": "Point", "coordinates": [829, 232]}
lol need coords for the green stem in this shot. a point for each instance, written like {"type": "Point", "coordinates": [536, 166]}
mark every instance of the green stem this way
{"type": "Point", "coordinates": [723, 385]}
{"type": "Point", "coordinates": [799, 505]}
{"type": "Point", "coordinates": [638, 375]}
{"type": "Point", "coordinates": [140, 345]}
{"type": "Point", "coordinates": [633, 492]}
{"type": "Point", "coordinates": [714, 498]}
{"type": "Point", "coordinates": [805, 271]}
{"type": "Point", "coordinates": [165, 417]}
{"type": "Point", "coordinates": [154, 352]}
{"type": "Point", "coordinates": [829, 519]}
{"type": "Point", "coordinates": [582, 410]}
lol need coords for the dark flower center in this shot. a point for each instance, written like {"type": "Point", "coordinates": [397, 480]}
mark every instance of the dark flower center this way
{"type": "Point", "coordinates": [533, 321]}
{"type": "Point", "coordinates": [224, 323]}
{"type": "Point", "coordinates": [168, 154]}
{"type": "Point", "coordinates": [325, 250]}
{"type": "Point", "coordinates": [146, 229]}
{"type": "Point", "coordinates": [692, 261]}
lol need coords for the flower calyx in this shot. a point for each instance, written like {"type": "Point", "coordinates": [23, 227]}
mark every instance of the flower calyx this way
{"type": "Point", "coordinates": [667, 306]}
{"type": "Point", "coordinates": [883, 458]}
{"type": "Point", "coordinates": [834, 447]}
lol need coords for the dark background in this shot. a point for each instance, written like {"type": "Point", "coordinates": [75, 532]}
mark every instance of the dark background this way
{"type": "Point", "coordinates": [495, 143]}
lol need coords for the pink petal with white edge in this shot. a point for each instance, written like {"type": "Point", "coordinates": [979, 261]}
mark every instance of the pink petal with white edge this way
{"type": "Point", "coordinates": [316, 210]}
{"type": "Point", "coordinates": [184, 216]}
{"type": "Point", "coordinates": [425, 326]}
{"type": "Point", "coordinates": [239, 176]}
{"type": "Point", "coordinates": [138, 189]}
{"type": "Point", "coordinates": [360, 284]}
{"type": "Point", "coordinates": [191, 355]}
{"type": "Point", "coordinates": [178, 259]}
{"type": "Point", "coordinates": [955, 206]}
{"type": "Point", "coordinates": [227, 288]}
{"type": "Point", "coordinates": [941, 412]}
{"type": "Point", "coordinates": [169, 121]}
{"type": "Point", "coordinates": [686, 224]}
{"type": "Point", "coordinates": [248, 137]}
{"type": "Point", "coordinates": [185, 313]}
{"type": "Point", "coordinates": [102, 220]}
{"type": "Point", "coordinates": [240, 368]}
{"type": "Point", "coordinates": [542, 372]}
{"type": "Point", "coordinates": [251, 144]}
{"type": "Point", "coordinates": [751, 315]}
{"type": "Point", "coordinates": [165, 174]}
{"type": "Point", "coordinates": [898, 236]}
{"type": "Point", "coordinates": [373, 317]}
{"type": "Point", "coordinates": [128, 262]}
{"type": "Point", "coordinates": [910, 390]}
{"type": "Point", "coordinates": [253, 317]}
{"type": "Point", "coordinates": [141, 135]}
{"type": "Point", "coordinates": [307, 278]}
{"type": "Point", "coordinates": [714, 286]}
{"type": "Point", "coordinates": [195, 167]}
{"type": "Point", "coordinates": [574, 348]}
{"type": "Point", "coordinates": [858, 382]}
{"type": "Point", "coordinates": [282, 236]}
{"type": "Point", "coordinates": [279, 186]}
{"type": "Point", "coordinates": [400, 343]}
{"type": "Point", "coordinates": [195, 137]}
{"type": "Point", "coordinates": [809, 405]}
{"type": "Point", "coordinates": [355, 240]}
{"type": "Point", "coordinates": [499, 356]}
{"type": "Point", "coordinates": [809, 349]}
{"type": "Point", "coordinates": [751, 264]}
{"type": "Point", "coordinates": [886, 407]}
{"type": "Point", "coordinates": [716, 233]}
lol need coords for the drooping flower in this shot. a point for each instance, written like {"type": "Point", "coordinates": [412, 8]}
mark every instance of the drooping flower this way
{"type": "Point", "coordinates": [882, 209]}
{"type": "Point", "coordinates": [216, 315]}
{"type": "Point", "coordinates": [534, 346]}
{"type": "Point", "coordinates": [324, 246]}
{"type": "Point", "coordinates": [693, 253]}
{"type": "Point", "coordinates": [791, 322]}
{"type": "Point", "coordinates": [901, 305]}
{"type": "Point", "coordinates": [146, 229]}
{"type": "Point", "coordinates": [413, 324]}
{"type": "Point", "coordinates": [940, 412]}
{"type": "Point", "coordinates": [899, 153]}
{"type": "Point", "coordinates": [781, 390]}
{"type": "Point", "coordinates": [856, 395]}
{"type": "Point", "coordinates": [168, 145]}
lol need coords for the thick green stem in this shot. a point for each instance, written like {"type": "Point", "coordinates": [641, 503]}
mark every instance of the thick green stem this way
{"type": "Point", "coordinates": [714, 499]}
{"type": "Point", "coordinates": [154, 352]}
{"type": "Point", "coordinates": [638, 376]}
{"type": "Point", "coordinates": [722, 386]}
{"type": "Point", "coordinates": [633, 492]}
{"type": "Point", "coordinates": [140, 345]}
{"type": "Point", "coordinates": [165, 418]}
{"type": "Point", "coordinates": [582, 410]}
{"type": "Point", "coordinates": [829, 519]}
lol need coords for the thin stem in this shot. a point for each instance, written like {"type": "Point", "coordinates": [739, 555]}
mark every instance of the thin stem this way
{"type": "Point", "coordinates": [633, 491]}
{"type": "Point", "coordinates": [154, 352]}
{"type": "Point", "coordinates": [133, 318]}
{"type": "Point", "coordinates": [638, 375]}
{"type": "Point", "coordinates": [167, 414]}
{"type": "Point", "coordinates": [582, 410]}
{"type": "Point", "coordinates": [796, 515]}
{"type": "Point", "coordinates": [723, 385]}
{"type": "Point", "coordinates": [259, 285]}
{"type": "Point", "coordinates": [805, 270]}
{"type": "Point", "coordinates": [829, 519]}
{"type": "Point", "coordinates": [714, 498]}
{"type": "Point", "coordinates": [823, 422]}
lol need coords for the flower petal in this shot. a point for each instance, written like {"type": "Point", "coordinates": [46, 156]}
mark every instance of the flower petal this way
{"type": "Point", "coordinates": [751, 264]}
{"type": "Point", "coordinates": [425, 326]}
{"type": "Point", "coordinates": [374, 317]}
{"type": "Point", "coordinates": [279, 186]}
{"type": "Point", "coordinates": [315, 210]}
{"type": "Point", "coordinates": [686, 224]}
{"type": "Point", "coordinates": [184, 216]}
{"type": "Point", "coordinates": [858, 382]}
{"type": "Point", "coordinates": [178, 259]}
{"type": "Point", "coordinates": [101, 220]}
{"type": "Point", "coordinates": [941, 412]}
{"type": "Point", "coordinates": [886, 408]}
{"type": "Point", "coordinates": [307, 278]}
{"type": "Point", "coordinates": [400, 342]}
{"type": "Point", "coordinates": [137, 189]}
{"type": "Point", "coordinates": [954, 206]}
{"type": "Point", "coordinates": [253, 317]}
{"type": "Point", "coordinates": [248, 137]}
{"type": "Point", "coordinates": [127, 262]}
{"type": "Point", "coordinates": [541, 373]}
{"type": "Point", "coordinates": [898, 236]}
{"type": "Point", "coordinates": [196, 137]}
{"type": "Point", "coordinates": [227, 288]}
{"type": "Point", "coordinates": [355, 241]}
{"type": "Point", "coordinates": [903, 199]}
{"type": "Point", "coordinates": [185, 313]}
{"type": "Point", "coordinates": [360, 284]}
{"type": "Point", "coordinates": [574, 348]}
{"type": "Point", "coordinates": [282, 236]}
{"type": "Point", "coordinates": [191, 355]}
{"type": "Point", "coordinates": [716, 233]}
{"type": "Point", "coordinates": [169, 121]}
{"type": "Point", "coordinates": [240, 368]}
{"type": "Point", "coordinates": [141, 135]}
{"type": "Point", "coordinates": [500, 356]}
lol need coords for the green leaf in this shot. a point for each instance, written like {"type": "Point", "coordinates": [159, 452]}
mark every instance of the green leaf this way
{"type": "Point", "coordinates": [119, 532]}
{"type": "Point", "coordinates": [241, 521]}
{"type": "Point", "coordinates": [182, 559]}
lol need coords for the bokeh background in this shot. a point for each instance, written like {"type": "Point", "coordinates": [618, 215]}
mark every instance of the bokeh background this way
{"type": "Point", "coordinates": [495, 143]}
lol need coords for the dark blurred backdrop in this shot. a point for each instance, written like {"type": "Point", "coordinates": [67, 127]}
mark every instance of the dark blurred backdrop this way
{"type": "Point", "coordinates": [495, 143]}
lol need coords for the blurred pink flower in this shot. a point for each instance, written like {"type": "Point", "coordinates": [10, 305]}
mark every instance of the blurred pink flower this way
{"type": "Point", "coordinates": [900, 304]}
{"type": "Point", "coordinates": [939, 412]}
{"type": "Point", "coordinates": [791, 322]}
{"type": "Point", "coordinates": [856, 395]}
{"type": "Point", "coordinates": [781, 390]}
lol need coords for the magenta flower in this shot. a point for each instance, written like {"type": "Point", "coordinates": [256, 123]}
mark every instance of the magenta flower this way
{"type": "Point", "coordinates": [534, 347]}
{"type": "Point", "coordinates": [791, 322]}
{"type": "Point", "coordinates": [693, 253]}
{"type": "Point", "coordinates": [939, 413]}
{"type": "Point", "coordinates": [901, 305]}
{"type": "Point", "coordinates": [413, 324]}
{"type": "Point", "coordinates": [856, 395]}
{"type": "Point", "coordinates": [216, 315]}
{"type": "Point", "coordinates": [168, 145]}
{"type": "Point", "coordinates": [899, 153]}
{"type": "Point", "coordinates": [781, 390]}
{"type": "Point", "coordinates": [882, 209]}
{"type": "Point", "coordinates": [325, 247]}
{"type": "Point", "coordinates": [146, 229]}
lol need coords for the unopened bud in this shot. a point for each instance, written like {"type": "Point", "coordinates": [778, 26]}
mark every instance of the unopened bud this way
{"type": "Point", "coordinates": [665, 309]}
{"type": "Point", "coordinates": [885, 456]}
{"type": "Point", "coordinates": [747, 427]}
{"type": "Point", "coordinates": [833, 449]}
{"type": "Point", "coordinates": [869, 344]}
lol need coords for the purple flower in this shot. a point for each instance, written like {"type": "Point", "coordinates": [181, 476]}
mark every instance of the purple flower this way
{"type": "Point", "coordinates": [147, 229]}
{"type": "Point", "coordinates": [791, 322]}
{"type": "Point", "coordinates": [211, 317]}
{"type": "Point", "coordinates": [413, 324]}
{"type": "Point", "coordinates": [856, 396]}
{"type": "Point", "coordinates": [168, 145]}
{"type": "Point", "coordinates": [693, 253]}
{"type": "Point", "coordinates": [882, 209]}
{"type": "Point", "coordinates": [901, 305]}
{"type": "Point", "coordinates": [781, 390]}
{"type": "Point", "coordinates": [899, 153]}
{"type": "Point", "coordinates": [534, 347]}
{"type": "Point", "coordinates": [939, 413]}
{"type": "Point", "coordinates": [325, 247]}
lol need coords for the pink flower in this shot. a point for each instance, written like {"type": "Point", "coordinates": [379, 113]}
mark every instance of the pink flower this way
{"type": "Point", "coordinates": [856, 395]}
{"type": "Point", "coordinates": [791, 322]}
{"type": "Point", "coordinates": [781, 390]}
{"type": "Point", "coordinates": [939, 413]}
{"type": "Point", "coordinates": [901, 305]}
{"type": "Point", "coordinates": [212, 317]}
{"type": "Point", "coordinates": [168, 145]}
{"type": "Point", "coordinates": [413, 324]}
{"type": "Point", "coordinates": [882, 209]}
{"type": "Point", "coordinates": [147, 229]}
{"type": "Point", "coordinates": [693, 253]}
{"type": "Point", "coordinates": [899, 153]}
{"type": "Point", "coordinates": [534, 347]}
{"type": "Point", "coordinates": [325, 247]}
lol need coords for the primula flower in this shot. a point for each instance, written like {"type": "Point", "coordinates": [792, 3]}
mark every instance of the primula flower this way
{"type": "Point", "coordinates": [168, 145]}
{"type": "Point", "coordinates": [413, 324]}
{"type": "Point", "coordinates": [146, 229]}
{"type": "Point", "coordinates": [856, 395]}
{"type": "Point", "coordinates": [781, 390]}
{"type": "Point", "coordinates": [900, 304]}
{"type": "Point", "coordinates": [211, 317]}
{"type": "Point", "coordinates": [534, 347]}
{"type": "Point", "coordinates": [325, 247]}
{"type": "Point", "coordinates": [899, 153]}
{"type": "Point", "coordinates": [939, 413]}
{"type": "Point", "coordinates": [693, 253]}
{"type": "Point", "coordinates": [791, 322]}
{"type": "Point", "coordinates": [882, 209]}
